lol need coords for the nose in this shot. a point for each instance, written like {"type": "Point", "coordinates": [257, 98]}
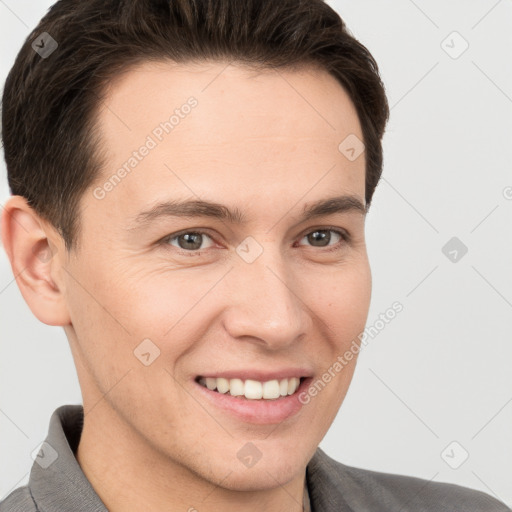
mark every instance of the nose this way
{"type": "Point", "coordinates": [264, 303]}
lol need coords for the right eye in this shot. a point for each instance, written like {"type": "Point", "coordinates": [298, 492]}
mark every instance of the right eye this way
{"type": "Point", "coordinates": [187, 241]}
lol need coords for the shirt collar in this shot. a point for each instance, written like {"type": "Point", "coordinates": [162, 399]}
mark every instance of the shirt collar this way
{"type": "Point", "coordinates": [57, 481]}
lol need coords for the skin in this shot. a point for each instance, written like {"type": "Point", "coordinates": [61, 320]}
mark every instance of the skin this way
{"type": "Point", "coordinates": [266, 143]}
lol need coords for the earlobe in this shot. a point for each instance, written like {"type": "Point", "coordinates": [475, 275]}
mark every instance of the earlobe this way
{"type": "Point", "coordinates": [32, 258]}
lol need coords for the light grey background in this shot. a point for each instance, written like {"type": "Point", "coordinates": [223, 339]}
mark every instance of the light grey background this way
{"type": "Point", "coordinates": [437, 373]}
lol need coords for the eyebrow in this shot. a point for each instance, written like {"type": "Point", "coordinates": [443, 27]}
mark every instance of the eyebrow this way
{"type": "Point", "coordinates": [210, 209]}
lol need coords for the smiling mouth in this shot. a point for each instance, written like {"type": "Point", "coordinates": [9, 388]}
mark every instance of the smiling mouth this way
{"type": "Point", "coordinates": [252, 389]}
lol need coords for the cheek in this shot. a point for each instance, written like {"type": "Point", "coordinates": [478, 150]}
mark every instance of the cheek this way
{"type": "Point", "coordinates": [342, 301]}
{"type": "Point", "coordinates": [174, 307]}
{"type": "Point", "coordinates": [128, 306]}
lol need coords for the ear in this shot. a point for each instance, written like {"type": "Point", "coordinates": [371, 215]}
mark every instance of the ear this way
{"type": "Point", "coordinates": [35, 261]}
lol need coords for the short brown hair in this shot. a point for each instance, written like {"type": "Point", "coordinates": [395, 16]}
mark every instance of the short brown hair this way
{"type": "Point", "coordinates": [50, 138]}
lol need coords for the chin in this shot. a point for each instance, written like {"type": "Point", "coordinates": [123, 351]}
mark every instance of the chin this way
{"type": "Point", "coordinates": [271, 466]}
{"type": "Point", "coordinates": [263, 476]}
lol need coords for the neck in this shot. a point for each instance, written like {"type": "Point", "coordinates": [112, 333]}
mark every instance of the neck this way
{"type": "Point", "coordinates": [129, 475]}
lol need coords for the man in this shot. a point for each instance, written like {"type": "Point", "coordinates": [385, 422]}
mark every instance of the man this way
{"type": "Point", "coordinates": [193, 217]}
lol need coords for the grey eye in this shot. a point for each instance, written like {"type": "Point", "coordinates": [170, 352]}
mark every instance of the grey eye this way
{"type": "Point", "coordinates": [189, 241]}
{"type": "Point", "coordinates": [321, 237]}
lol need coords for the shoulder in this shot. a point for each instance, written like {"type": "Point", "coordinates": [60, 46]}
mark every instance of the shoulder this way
{"type": "Point", "coordinates": [18, 500]}
{"type": "Point", "coordinates": [415, 494]}
{"type": "Point", "coordinates": [363, 489]}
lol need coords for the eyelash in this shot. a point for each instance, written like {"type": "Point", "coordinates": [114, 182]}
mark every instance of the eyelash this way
{"type": "Point", "coordinates": [345, 238]}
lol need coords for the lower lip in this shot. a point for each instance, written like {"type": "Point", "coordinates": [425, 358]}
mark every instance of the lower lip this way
{"type": "Point", "coordinates": [259, 412]}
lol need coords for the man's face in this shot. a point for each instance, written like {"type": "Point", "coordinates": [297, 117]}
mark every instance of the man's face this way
{"type": "Point", "coordinates": [275, 295]}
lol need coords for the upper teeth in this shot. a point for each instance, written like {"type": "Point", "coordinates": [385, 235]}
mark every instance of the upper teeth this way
{"type": "Point", "coordinates": [252, 389]}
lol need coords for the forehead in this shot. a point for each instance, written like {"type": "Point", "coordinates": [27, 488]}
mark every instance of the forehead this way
{"type": "Point", "coordinates": [234, 104]}
{"type": "Point", "coordinates": [219, 126]}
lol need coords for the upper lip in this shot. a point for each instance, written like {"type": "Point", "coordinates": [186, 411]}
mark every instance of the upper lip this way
{"type": "Point", "coordinates": [260, 375]}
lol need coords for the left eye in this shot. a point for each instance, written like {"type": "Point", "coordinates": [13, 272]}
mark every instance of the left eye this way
{"type": "Point", "coordinates": [324, 235]}
{"type": "Point", "coordinates": [191, 241]}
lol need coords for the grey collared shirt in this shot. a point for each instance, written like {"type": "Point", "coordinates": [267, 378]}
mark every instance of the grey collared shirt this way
{"type": "Point", "coordinates": [57, 483]}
